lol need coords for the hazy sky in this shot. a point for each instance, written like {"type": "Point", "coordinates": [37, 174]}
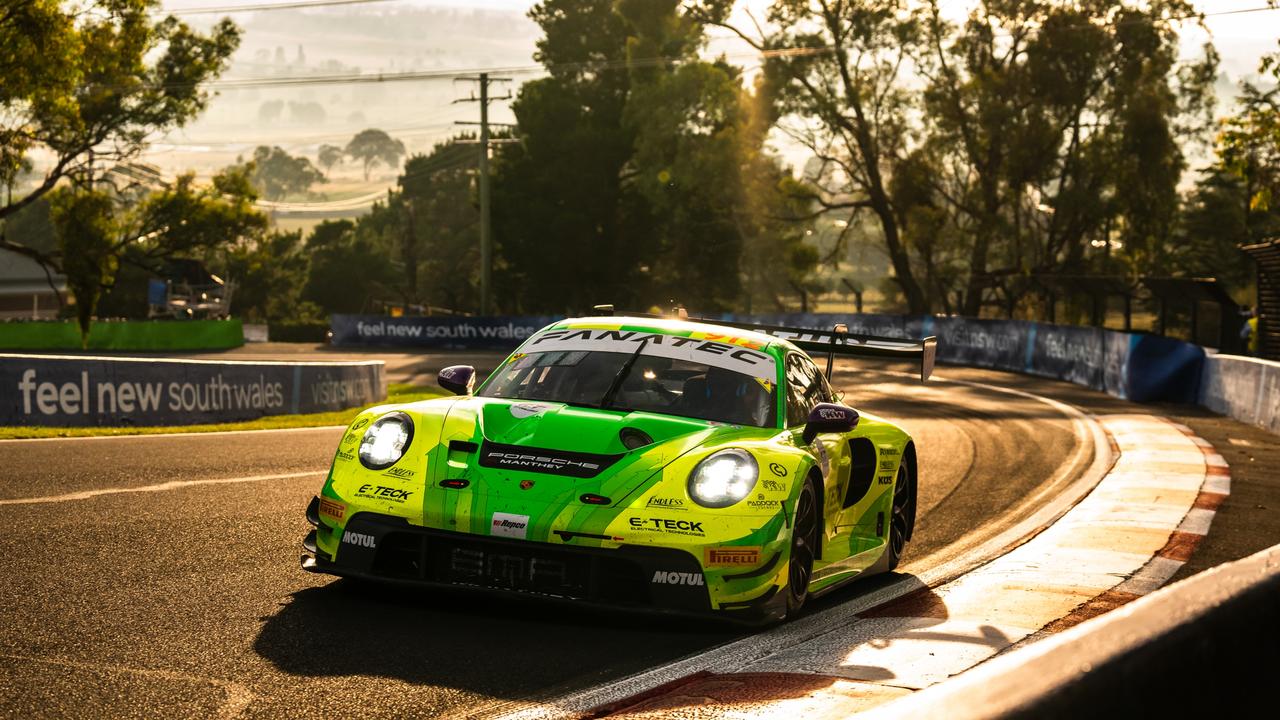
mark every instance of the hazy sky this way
{"type": "Point", "coordinates": [391, 37]}
{"type": "Point", "coordinates": [1239, 38]}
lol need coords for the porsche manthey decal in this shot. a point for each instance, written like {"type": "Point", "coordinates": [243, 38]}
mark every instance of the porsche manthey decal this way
{"type": "Point", "coordinates": [749, 361]}
{"type": "Point", "coordinates": [540, 460]}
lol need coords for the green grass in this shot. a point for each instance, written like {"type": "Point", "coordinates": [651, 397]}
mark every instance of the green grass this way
{"type": "Point", "coordinates": [396, 393]}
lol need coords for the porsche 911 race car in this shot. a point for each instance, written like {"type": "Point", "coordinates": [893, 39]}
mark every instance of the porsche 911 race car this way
{"type": "Point", "coordinates": [643, 462]}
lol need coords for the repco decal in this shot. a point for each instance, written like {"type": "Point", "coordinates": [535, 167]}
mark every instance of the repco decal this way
{"type": "Point", "coordinates": [378, 492]}
{"type": "Point", "coordinates": [731, 557]}
{"type": "Point", "coordinates": [662, 577]}
{"type": "Point", "coordinates": [358, 539]}
{"type": "Point", "coordinates": [329, 508]}
{"type": "Point", "coordinates": [678, 527]}
{"type": "Point", "coordinates": [509, 525]}
{"type": "Point", "coordinates": [398, 472]}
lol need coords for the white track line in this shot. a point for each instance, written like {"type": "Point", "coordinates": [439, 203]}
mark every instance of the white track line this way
{"type": "Point", "coordinates": [135, 436]}
{"type": "Point", "coordinates": [160, 487]}
{"type": "Point", "coordinates": [738, 654]}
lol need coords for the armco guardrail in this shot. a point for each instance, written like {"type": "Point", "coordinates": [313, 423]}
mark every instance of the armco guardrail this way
{"type": "Point", "coordinates": [77, 391]}
{"type": "Point", "coordinates": [1206, 646]}
{"type": "Point", "coordinates": [1138, 367]}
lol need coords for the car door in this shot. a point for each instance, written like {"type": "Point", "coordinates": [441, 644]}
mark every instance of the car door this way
{"type": "Point", "coordinates": [806, 387]}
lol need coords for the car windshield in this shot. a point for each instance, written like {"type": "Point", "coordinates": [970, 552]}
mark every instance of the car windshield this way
{"type": "Point", "coordinates": [637, 381]}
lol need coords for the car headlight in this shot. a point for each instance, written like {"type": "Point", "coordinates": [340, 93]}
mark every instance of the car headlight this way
{"type": "Point", "coordinates": [723, 478]}
{"type": "Point", "coordinates": [385, 441]}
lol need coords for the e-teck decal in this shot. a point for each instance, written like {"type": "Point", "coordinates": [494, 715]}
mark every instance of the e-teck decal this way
{"type": "Point", "coordinates": [746, 360]}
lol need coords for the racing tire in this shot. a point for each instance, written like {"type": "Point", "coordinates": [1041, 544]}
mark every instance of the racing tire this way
{"type": "Point", "coordinates": [804, 546]}
{"type": "Point", "coordinates": [900, 520]}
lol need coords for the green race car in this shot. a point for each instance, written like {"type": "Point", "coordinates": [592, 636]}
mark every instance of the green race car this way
{"type": "Point", "coordinates": [643, 462]}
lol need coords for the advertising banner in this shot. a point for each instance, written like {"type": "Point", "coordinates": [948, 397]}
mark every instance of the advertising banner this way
{"type": "Point", "coordinates": [999, 344]}
{"type": "Point", "coordinates": [440, 333]}
{"type": "Point", "coordinates": [87, 391]}
{"type": "Point", "coordinates": [1074, 354]}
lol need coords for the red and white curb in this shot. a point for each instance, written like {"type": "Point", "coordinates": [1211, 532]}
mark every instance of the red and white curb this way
{"type": "Point", "coordinates": [1125, 539]}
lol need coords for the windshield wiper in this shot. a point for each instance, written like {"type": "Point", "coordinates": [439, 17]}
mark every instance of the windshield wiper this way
{"type": "Point", "coordinates": [623, 371]}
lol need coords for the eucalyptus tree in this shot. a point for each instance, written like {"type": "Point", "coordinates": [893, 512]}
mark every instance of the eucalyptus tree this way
{"type": "Point", "coordinates": [840, 71]}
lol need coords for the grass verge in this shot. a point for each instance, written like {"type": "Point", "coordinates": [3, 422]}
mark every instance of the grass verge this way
{"type": "Point", "coordinates": [396, 393]}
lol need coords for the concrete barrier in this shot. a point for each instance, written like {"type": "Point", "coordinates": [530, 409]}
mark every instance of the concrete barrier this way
{"type": "Point", "coordinates": [1206, 646]}
{"type": "Point", "coordinates": [1247, 389]}
{"type": "Point", "coordinates": [43, 390]}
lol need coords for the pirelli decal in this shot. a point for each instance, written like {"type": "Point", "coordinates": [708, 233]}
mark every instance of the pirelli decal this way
{"type": "Point", "coordinates": [731, 556]}
{"type": "Point", "coordinates": [332, 509]}
{"type": "Point", "coordinates": [730, 355]}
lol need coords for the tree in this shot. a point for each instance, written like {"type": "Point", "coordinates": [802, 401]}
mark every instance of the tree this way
{"type": "Point", "coordinates": [89, 238]}
{"type": "Point", "coordinates": [372, 147]}
{"type": "Point", "coordinates": [97, 227]}
{"type": "Point", "coordinates": [349, 269]}
{"type": "Point", "coordinates": [277, 173]}
{"type": "Point", "coordinates": [568, 233]}
{"type": "Point", "coordinates": [848, 84]}
{"type": "Point", "coordinates": [440, 231]}
{"type": "Point", "coordinates": [329, 156]}
{"type": "Point", "coordinates": [269, 273]}
{"type": "Point", "coordinates": [701, 166]}
{"type": "Point", "coordinates": [1249, 149]}
{"type": "Point", "coordinates": [85, 87]}
{"type": "Point", "coordinates": [1052, 126]}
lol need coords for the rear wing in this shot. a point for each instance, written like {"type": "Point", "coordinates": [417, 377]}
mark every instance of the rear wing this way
{"type": "Point", "coordinates": [839, 341]}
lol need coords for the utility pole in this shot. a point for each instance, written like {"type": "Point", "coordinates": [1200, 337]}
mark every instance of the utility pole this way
{"type": "Point", "coordinates": [486, 235]}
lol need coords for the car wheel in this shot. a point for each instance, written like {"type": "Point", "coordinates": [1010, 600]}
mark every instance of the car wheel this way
{"type": "Point", "coordinates": [901, 521]}
{"type": "Point", "coordinates": [804, 546]}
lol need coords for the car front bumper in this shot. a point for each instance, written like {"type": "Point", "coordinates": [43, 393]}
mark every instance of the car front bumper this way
{"type": "Point", "coordinates": [634, 577]}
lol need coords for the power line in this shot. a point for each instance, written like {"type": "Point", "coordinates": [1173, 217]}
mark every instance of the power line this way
{"type": "Point", "coordinates": [265, 7]}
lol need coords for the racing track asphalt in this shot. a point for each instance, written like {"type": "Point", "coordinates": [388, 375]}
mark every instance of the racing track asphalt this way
{"type": "Point", "coordinates": [183, 597]}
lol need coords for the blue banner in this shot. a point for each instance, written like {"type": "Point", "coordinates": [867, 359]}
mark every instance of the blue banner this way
{"type": "Point", "coordinates": [41, 390]}
{"type": "Point", "coordinates": [438, 333]}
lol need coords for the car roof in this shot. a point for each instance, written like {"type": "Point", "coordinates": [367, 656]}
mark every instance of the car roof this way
{"type": "Point", "coordinates": [672, 326]}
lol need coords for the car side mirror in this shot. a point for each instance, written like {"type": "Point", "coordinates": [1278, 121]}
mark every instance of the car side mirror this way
{"type": "Point", "coordinates": [828, 418]}
{"type": "Point", "coordinates": [457, 379]}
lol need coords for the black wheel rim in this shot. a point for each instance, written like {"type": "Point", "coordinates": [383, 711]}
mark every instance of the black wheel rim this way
{"type": "Point", "coordinates": [898, 526]}
{"type": "Point", "coordinates": [804, 539]}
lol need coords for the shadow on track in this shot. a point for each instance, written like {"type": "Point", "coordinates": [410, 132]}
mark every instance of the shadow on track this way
{"type": "Point", "coordinates": [501, 647]}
